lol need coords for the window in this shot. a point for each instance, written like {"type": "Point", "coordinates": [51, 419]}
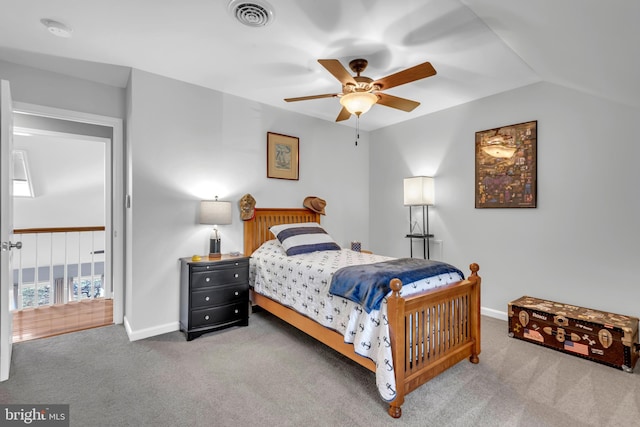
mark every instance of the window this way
{"type": "Point", "coordinates": [22, 185]}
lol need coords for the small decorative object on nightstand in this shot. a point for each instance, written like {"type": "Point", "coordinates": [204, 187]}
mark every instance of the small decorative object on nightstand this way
{"type": "Point", "coordinates": [214, 294]}
{"type": "Point", "coordinates": [419, 191]}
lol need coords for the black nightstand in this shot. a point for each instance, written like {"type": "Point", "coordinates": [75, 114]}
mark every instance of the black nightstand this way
{"type": "Point", "coordinates": [214, 294]}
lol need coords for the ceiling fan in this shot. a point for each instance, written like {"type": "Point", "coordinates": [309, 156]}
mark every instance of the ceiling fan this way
{"type": "Point", "coordinates": [360, 93]}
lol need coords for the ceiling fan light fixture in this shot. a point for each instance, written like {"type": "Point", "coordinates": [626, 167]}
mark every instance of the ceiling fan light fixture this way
{"type": "Point", "coordinates": [358, 102]}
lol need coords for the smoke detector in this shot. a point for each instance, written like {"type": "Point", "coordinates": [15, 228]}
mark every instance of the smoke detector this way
{"type": "Point", "coordinates": [57, 28]}
{"type": "Point", "coordinates": [254, 13]}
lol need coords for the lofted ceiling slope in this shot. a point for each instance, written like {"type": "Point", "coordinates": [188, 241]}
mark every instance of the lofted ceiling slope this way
{"type": "Point", "coordinates": [478, 47]}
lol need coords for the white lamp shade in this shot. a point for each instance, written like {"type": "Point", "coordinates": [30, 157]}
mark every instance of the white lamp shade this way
{"type": "Point", "coordinates": [419, 191]}
{"type": "Point", "coordinates": [358, 102]}
{"type": "Point", "coordinates": [215, 212]}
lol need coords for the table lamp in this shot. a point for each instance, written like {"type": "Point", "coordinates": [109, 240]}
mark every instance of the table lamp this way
{"type": "Point", "coordinates": [215, 213]}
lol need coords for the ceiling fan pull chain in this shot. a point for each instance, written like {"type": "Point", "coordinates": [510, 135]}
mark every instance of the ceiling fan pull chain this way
{"type": "Point", "coordinates": [357, 129]}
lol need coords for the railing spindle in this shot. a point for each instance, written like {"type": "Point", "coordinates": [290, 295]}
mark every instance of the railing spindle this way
{"type": "Point", "coordinates": [92, 293]}
{"type": "Point", "coordinates": [19, 290]}
{"type": "Point", "coordinates": [79, 268]}
{"type": "Point", "coordinates": [52, 289]}
{"type": "Point", "coordinates": [36, 277]}
{"type": "Point", "coordinates": [65, 273]}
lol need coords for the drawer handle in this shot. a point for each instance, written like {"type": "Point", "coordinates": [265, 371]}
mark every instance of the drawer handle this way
{"type": "Point", "coordinates": [237, 293]}
{"type": "Point", "coordinates": [206, 317]}
{"type": "Point", "coordinates": [236, 311]}
{"type": "Point", "coordinates": [207, 267]}
{"type": "Point", "coordinates": [208, 279]}
{"type": "Point", "coordinates": [236, 275]}
{"type": "Point", "coordinates": [206, 298]}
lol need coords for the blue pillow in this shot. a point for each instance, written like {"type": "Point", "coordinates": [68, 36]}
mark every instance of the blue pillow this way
{"type": "Point", "coordinates": [303, 238]}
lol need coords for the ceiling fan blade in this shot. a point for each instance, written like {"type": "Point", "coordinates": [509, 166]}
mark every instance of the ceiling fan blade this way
{"type": "Point", "coordinates": [343, 115]}
{"type": "Point", "coordinates": [396, 102]}
{"type": "Point", "coordinates": [337, 69]}
{"type": "Point", "coordinates": [406, 76]}
{"type": "Point", "coordinates": [305, 98]}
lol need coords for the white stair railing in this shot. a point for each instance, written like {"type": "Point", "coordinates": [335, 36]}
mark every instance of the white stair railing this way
{"type": "Point", "coordinates": [58, 265]}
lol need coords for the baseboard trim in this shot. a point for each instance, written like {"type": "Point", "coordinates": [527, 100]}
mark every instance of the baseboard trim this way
{"type": "Point", "coordinates": [175, 326]}
{"type": "Point", "coordinates": [496, 314]}
{"type": "Point", "coordinates": [149, 332]}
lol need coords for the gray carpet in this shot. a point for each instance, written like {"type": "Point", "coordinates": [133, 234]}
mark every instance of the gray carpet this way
{"type": "Point", "coordinates": [270, 374]}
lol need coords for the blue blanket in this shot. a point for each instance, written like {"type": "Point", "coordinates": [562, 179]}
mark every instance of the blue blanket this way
{"type": "Point", "coordinates": [368, 284]}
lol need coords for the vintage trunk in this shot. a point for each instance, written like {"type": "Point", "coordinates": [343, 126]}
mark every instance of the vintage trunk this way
{"type": "Point", "coordinates": [607, 338]}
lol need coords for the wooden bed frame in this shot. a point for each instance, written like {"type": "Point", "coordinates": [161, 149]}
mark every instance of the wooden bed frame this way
{"type": "Point", "coordinates": [429, 332]}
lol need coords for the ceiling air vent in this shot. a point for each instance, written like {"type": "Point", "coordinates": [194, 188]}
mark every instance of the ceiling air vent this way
{"type": "Point", "coordinates": [255, 13]}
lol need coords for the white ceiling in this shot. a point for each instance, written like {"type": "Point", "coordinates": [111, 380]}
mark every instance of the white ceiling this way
{"type": "Point", "coordinates": [478, 47]}
{"type": "Point", "coordinates": [83, 159]}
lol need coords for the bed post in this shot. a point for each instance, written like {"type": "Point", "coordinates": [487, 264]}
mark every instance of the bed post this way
{"type": "Point", "coordinates": [475, 312]}
{"type": "Point", "coordinates": [395, 313]}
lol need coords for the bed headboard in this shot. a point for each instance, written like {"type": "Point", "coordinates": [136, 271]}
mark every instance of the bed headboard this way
{"type": "Point", "coordinates": [256, 230]}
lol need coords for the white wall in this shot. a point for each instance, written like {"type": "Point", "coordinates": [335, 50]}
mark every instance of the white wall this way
{"type": "Point", "coordinates": [580, 244]}
{"type": "Point", "coordinates": [68, 181]}
{"type": "Point", "coordinates": [187, 143]}
{"type": "Point", "coordinates": [40, 87]}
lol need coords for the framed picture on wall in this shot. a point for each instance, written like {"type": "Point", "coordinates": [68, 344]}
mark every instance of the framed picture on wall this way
{"type": "Point", "coordinates": [506, 166]}
{"type": "Point", "coordinates": [283, 160]}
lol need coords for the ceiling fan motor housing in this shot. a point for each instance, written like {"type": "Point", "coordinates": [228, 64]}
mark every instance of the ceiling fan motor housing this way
{"type": "Point", "coordinates": [358, 65]}
{"type": "Point", "coordinates": [364, 84]}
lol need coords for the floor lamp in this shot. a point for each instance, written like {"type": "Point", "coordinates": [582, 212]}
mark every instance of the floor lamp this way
{"type": "Point", "coordinates": [419, 191]}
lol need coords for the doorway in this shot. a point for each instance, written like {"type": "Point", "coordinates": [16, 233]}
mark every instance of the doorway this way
{"type": "Point", "coordinates": [85, 153]}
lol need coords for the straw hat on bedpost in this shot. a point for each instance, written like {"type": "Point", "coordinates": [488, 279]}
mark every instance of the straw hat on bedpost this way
{"type": "Point", "coordinates": [314, 203]}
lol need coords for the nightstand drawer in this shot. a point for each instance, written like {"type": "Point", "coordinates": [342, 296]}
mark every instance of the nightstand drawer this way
{"type": "Point", "coordinates": [219, 276]}
{"type": "Point", "coordinates": [219, 295]}
{"type": "Point", "coordinates": [220, 265]}
{"type": "Point", "coordinates": [219, 315]}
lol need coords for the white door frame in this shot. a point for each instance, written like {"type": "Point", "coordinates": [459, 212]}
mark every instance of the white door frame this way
{"type": "Point", "coordinates": [114, 203]}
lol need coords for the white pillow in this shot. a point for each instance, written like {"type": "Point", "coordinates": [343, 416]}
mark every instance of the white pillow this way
{"type": "Point", "coordinates": [304, 237]}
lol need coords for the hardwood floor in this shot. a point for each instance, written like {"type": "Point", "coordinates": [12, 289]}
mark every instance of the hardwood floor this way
{"type": "Point", "coordinates": [32, 323]}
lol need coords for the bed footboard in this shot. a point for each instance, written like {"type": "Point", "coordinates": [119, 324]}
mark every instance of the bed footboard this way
{"type": "Point", "coordinates": [431, 332]}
